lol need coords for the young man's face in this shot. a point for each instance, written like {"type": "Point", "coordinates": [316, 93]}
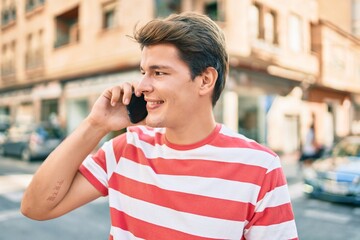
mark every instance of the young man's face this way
{"type": "Point", "coordinates": [170, 93]}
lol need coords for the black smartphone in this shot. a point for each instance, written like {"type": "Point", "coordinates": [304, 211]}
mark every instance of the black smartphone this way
{"type": "Point", "coordinates": [137, 108]}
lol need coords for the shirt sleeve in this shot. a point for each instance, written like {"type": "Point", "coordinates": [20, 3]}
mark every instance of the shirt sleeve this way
{"type": "Point", "coordinates": [94, 169]}
{"type": "Point", "coordinates": [273, 217]}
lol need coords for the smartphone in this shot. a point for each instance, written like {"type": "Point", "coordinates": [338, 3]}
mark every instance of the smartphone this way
{"type": "Point", "coordinates": [137, 108]}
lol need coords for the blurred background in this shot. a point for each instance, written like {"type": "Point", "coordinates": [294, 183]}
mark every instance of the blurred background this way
{"type": "Point", "coordinates": [294, 69]}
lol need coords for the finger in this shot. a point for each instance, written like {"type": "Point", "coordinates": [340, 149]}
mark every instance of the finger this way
{"type": "Point", "coordinates": [127, 92]}
{"type": "Point", "coordinates": [115, 95]}
{"type": "Point", "coordinates": [136, 91]}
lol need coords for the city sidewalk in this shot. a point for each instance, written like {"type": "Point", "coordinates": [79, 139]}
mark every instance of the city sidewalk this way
{"type": "Point", "coordinates": [289, 162]}
{"type": "Point", "coordinates": [293, 175]}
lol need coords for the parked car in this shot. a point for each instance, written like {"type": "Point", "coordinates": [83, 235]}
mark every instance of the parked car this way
{"type": "Point", "coordinates": [336, 177]}
{"type": "Point", "coordinates": [2, 134]}
{"type": "Point", "coordinates": [4, 126]}
{"type": "Point", "coordinates": [30, 141]}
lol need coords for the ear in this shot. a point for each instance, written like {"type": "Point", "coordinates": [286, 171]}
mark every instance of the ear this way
{"type": "Point", "coordinates": [207, 80]}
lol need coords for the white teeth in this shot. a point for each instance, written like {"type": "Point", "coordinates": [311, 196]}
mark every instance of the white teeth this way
{"type": "Point", "coordinates": [153, 103]}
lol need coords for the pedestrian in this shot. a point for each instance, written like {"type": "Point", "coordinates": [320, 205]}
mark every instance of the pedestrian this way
{"type": "Point", "coordinates": [178, 174]}
{"type": "Point", "coordinates": [310, 150]}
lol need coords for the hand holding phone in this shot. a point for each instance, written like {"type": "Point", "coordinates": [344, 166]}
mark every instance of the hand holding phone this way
{"type": "Point", "coordinates": [137, 108]}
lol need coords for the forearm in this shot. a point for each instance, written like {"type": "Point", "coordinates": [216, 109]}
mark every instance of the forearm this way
{"type": "Point", "coordinates": [54, 177]}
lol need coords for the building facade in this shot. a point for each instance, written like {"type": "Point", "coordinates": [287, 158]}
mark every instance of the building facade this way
{"type": "Point", "coordinates": [271, 61]}
{"type": "Point", "coordinates": [285, 74]}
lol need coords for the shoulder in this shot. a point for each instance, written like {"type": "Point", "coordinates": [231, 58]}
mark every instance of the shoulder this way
{"type": "Point", "coordinates": [240, 149]}
{"type": "Point", "coordinates": [231, 139]}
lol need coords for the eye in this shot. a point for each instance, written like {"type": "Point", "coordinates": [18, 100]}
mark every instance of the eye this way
{"type": "Point", "coordinates": [157, 73]}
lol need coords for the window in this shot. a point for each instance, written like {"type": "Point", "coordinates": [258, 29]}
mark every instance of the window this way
{"type": "Point", "coordinates": [33, 4]}
{"type": "Point", "coordinates": [28, 50]}
{"type": "Point", "coordinates": [295, 33]}
{"type": "Point", "coordinates": [270, 22]}
{"type": "Point", "coordinates": [248, 116]}
{"type": "Point", "coordinates": [254, 21]}
{"type": "Point", "coordinates": [34, 50]}
{"type": "Point", "coordinates": [12, 57]}
{"type": "Point", "coordinates": [8, 13]}
{"type": "Point", "coordinates": [263, 23]}
{"type": "Point", "coordinates": [67, 27]}
{"type": "Point", "coordinates": [166, 7]}
{"type": "Point", "coordinates": [4, 56]}
{"type": "Point", "coordinates": [30, 4]}
{"type": "Point", "coordinates": [8, 59]}
{"type": "Point", "coordinates": [211, 10]}
{"type": "Point", "coordinates": [49, 108]}
{"type": "Point", "coordinates": [109, 15]}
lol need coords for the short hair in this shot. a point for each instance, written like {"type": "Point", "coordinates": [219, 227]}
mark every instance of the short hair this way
{"type": "Point", "coordinates": [199, 40]}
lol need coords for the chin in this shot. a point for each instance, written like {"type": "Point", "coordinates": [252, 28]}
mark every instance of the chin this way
{"type": "Point", "coordinates": [155, 123]}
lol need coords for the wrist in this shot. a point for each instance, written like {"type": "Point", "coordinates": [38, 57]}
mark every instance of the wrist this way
{"type": "Point", "coordinates": [95, 127]}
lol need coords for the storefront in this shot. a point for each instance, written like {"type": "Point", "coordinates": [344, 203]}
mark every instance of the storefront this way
{"type": "Point", "coordinates": [17, 106]}
{"type": "Point", "coordinates": [80, 94]}
{"type": "Point", "coordinates": [264, 108]}
{"type": "Point", "coordinates": [333, 113]}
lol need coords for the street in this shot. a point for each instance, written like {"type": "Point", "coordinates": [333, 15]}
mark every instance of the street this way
{"type": "Point", "coordinates": [90, 222]}
{"type": "Point", "coordinates": [315, 219]}
{"type": "Point", "coordinates": [318, 219]}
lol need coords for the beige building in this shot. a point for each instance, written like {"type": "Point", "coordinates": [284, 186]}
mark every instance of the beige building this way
{"type": "Point", "coordinates": [335, 96]}
{"type": "Point", "coordinates": [271, 63]}
{"type": "Point", "coordinates": [58, 56]}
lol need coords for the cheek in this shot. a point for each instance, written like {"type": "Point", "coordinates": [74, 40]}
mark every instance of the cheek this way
{"type": "Point", "coordinates": [181, 95]}
{"type": "Point", "coordinates": [183, 103]}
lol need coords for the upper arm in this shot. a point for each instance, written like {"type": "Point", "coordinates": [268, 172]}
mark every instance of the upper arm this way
{"type": "Point", "coordinates": [80, 192]}
{"type": "Point", "coordinates": [273, 212]}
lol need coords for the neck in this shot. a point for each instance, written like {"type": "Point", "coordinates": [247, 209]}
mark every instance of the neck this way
{"type": "Point", "coordinates": [191, 132]}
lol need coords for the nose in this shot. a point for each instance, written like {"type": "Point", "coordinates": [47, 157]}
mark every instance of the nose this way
{"type": "Point", "coordinates": [145, 85]}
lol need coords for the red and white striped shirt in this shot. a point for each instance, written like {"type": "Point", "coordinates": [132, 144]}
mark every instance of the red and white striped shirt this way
{"type": "Point", "coordinates": [223, 187]}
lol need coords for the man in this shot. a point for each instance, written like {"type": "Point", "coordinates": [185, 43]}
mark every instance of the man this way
{"type": "Point", "coordinates": [180, 175]}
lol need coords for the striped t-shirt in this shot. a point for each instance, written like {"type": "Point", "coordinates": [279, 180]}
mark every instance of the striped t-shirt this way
{"type": "Point", "coordinates": [223, 187]}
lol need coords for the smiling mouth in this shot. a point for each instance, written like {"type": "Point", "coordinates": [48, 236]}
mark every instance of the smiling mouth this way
{"type": "Point", "coordinates": [152, 103]}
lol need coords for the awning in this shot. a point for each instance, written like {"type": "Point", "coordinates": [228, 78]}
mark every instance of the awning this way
{"type": "Point", "coordinates": [321, 95]}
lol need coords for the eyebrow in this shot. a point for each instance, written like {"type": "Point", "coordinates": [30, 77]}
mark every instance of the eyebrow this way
{"type": "Point", "coordinates": [156, 67]}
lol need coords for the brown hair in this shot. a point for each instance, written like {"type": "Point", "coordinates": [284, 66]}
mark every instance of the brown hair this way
{"type": "Point", "coordinates": [200, 42]}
